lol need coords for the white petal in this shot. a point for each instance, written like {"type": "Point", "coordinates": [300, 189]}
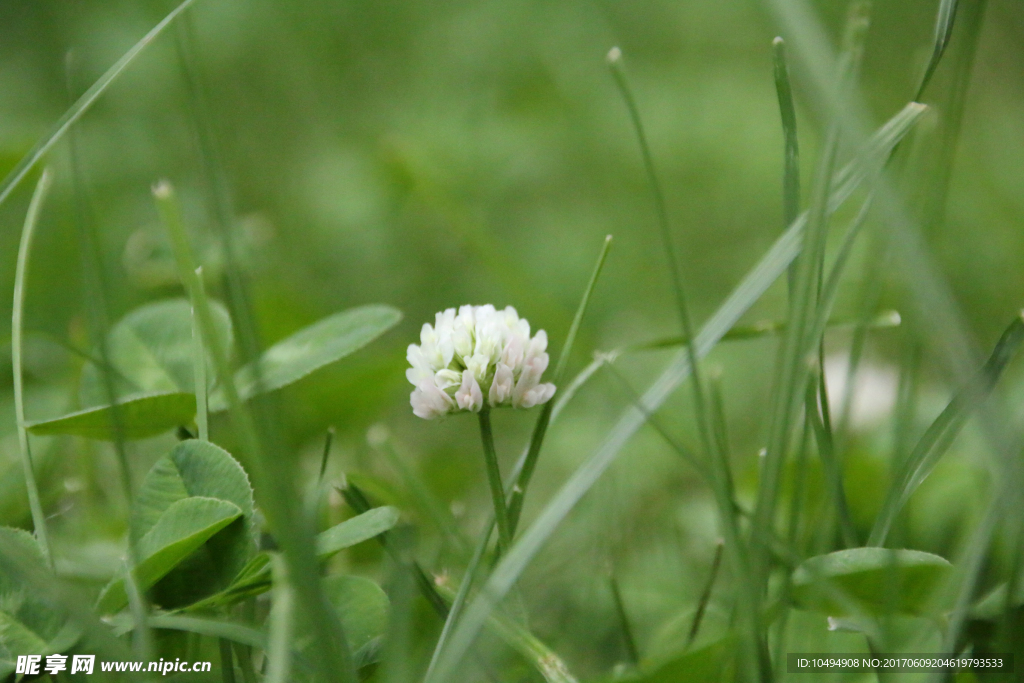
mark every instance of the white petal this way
{"type": "Point", "coordinates": [501, 387]}
{"type": "Point", "coordinates": [469, 396]}
{"type": "Point", "coordinates": [429, 402]}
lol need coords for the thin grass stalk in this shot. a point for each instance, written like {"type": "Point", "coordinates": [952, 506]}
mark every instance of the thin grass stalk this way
{"type": "Point", "coordinates": [833, 473]}
{"type": "Point", "coordinates": [515, 506]}
{"type": "Point", "coordinates": [705, 595]}
{"type": "Point", "coordinates": [808, 282]}
{"type": "Point", "coordinates": [703, 419]}
{"type": "Point", "coordinates": [219, 198]}
{"type": "Point", "coordinates": [791, 166]}
{"type": "Point", "coordinates": [273, 474]}
{"type": "Point", "coordinates": [459, 602]}
{"type": "Point", "coordinates": [628, 641]}
{"type": "Point", "coordinates": [199, 367]}
{"type": "Point", "coordinates": [328, 441]}
{"type": "Point", "coordinates": [17, 317]}
{"type": "Point", "coordinates": [796, 504]}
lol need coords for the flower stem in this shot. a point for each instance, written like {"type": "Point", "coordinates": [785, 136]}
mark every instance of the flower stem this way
{"type": "Point", "coordinates": [494, 478]}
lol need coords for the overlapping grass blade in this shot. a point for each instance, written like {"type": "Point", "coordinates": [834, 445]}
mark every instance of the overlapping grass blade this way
{"type": "Point", "coordinates": [871, 156]}
{"type": "Point", "coordinates": [17, 323]}
{"type": "Point", "coordinates": [88, 98]}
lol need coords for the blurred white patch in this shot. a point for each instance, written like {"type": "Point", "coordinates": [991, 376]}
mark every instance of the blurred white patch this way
{"type": "Point", "coordinates": [874, 392]}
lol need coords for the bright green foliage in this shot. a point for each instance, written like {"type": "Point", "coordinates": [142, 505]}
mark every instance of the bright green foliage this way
{"type": "Point", "coordinates": [356, 530]}
{"type": "Point", "coordinates": [187, 503]}
{"type": "Point", "coordinates": [150, 352]}
{"type": "Point", "coordinates": [871, 580]}
{"type": "Point", "coordinates": [139, 416]}
{"type": "Point", "coordinates": [183, 528]}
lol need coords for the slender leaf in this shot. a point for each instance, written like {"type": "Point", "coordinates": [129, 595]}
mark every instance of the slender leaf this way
{"type": "Point", "coordinates": [322, 343]}
{"type": "Point", "coordinates": [356, 530]}
{"type": "Point", "coordinates": [17, 315]}
{"type": "Point", "coordinates": [140, 416]}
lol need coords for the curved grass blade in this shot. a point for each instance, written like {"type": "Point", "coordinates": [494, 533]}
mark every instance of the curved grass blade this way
{"type": "Point", "coordinates": [20, 276]}
{"type": "Point", "coordinates": [940, 434]}
{"type": "Point", "coordinates": [75, 112]}
{"type": "Point", "coordinates": [944, 21]}
{"type": "Point", "coordinates": [871, 156]}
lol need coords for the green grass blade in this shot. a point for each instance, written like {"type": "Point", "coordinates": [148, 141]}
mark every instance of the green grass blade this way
{"type": "Point", "coordinates": [830, 465]}
{"type": "Point", "coordinates": [940, 434]}
{"type": "Point", "coordinates": [82, 105]}
{"type": "Point", "coordinates": [800, 340]}
{"type": "Point", "coordinates": [17, 328]}
{"type": "Point", "coordinates": [871, 156]}
{"type": "Point", "coordinates": [944, 20]}
{"type": "Point", "coordinates": [791, 166]}
{"type": "Point", "coordinates": [515, 506]}
{"type": "Point", "coordinates": [628, 640]}
{"type": "Point", "coordinates": [199, 368]}
{"type": "Point", "coordinates": [333, 660]}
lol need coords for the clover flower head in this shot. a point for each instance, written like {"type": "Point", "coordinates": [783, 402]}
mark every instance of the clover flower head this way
{"type": "Point", "coordinates": [475, 357]}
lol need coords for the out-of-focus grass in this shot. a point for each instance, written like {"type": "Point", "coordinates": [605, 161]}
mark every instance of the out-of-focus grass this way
{"type": "Point", "coordinates": [432, 154]}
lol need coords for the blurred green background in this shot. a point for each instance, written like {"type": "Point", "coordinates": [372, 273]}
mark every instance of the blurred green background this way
{"type": "Point", "coordinates": [431, 154]}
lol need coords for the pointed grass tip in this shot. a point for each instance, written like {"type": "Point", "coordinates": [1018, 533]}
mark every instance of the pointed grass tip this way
{"type": "Point", "coordinates": [614, 57]}
{"type": "Point", "coordinates": [778, 41]}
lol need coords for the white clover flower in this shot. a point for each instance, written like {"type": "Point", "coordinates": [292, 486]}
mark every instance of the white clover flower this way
{"type": "Point", "coordinates": [474, 358]}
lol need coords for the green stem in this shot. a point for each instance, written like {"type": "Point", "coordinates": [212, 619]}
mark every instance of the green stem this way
{"type": "Point", "coordinates": [199, 365]}
{"type": "Point", "coordinates": [21, 275]}
{"type": "Point", "coordinates": [494, 479]}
